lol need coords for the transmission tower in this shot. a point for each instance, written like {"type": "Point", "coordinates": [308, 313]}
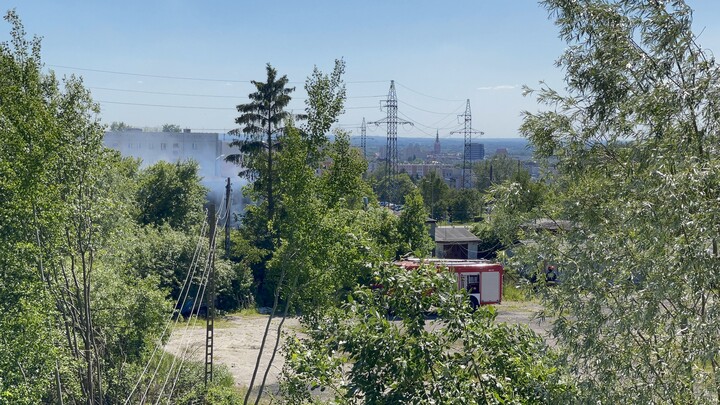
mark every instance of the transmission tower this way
{"type": "Point", "coordinates": [392, 121]}
{"type": "Point", "coordinates": [467, 132]}
{"type": "Point", "coordinates": [363, 138]}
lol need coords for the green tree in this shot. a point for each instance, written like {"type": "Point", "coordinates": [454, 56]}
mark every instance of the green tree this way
{"type": "Point", "coordinates": [119, 126]}
{"type": "Point", "coordinates": [391, 189]}
{"type": "Point", "coordinates": [171, 128]}
{"type": "Point", "coordinates": [414, 235]}
{"type": "Point", "coordinates": [464, 204]}
{"type": "Point", "coordinates": [434, 192]}
{"type": "Point", "coordinates": [342, 182]}
{"type": "Point", "coordinates": [261, 119]}
{"type": "Point", "coordinates": [495, 170]}
{"type": "Point", "coordinates": [634, 137]}
{"type": "Point", "coordinates": [358, 355]}
{"type": "Point", "coordinates": [325, 102]}
{"type": "Point", "coordinates": [171, 193]}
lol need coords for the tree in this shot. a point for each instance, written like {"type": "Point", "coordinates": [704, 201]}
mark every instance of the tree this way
{"type": "Point", "coordinates": [171, 128]}
{"type": "Point", "coordinates": [414, 235]}
{"type": "Point", "coordinates": [342, 182]}
{"type": "Point", "coordinates": [495, 170]}
{"type": "Point", "coordinates": [119, 126]}
{"type": "Point", "coordinates": [393, 188]}
{"type": "Point", "coordinates": [634, 139]}
{"type": "Point", "coordinates": [326, 98]}
{"type": "Point", "coordinates": [359, 355]}
{"type": "Point", "coordinates": [262, 118]}
{"type": "Point", "coordinates": [171, 193]}
{"type": "Point", "coordinates": [434, 192]}
{"type": "Point", "coordinates": [464, 204]}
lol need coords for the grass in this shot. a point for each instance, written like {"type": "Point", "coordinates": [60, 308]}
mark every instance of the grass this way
{"type": "Point", "coordinates": [511, 292]}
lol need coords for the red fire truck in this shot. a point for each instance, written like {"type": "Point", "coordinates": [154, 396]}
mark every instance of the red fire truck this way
{"type": "Point", "coordinates": [481, 278]}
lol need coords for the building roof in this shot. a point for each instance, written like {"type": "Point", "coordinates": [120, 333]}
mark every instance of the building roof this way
{"type": "Point", "coordinates": [453, 234]}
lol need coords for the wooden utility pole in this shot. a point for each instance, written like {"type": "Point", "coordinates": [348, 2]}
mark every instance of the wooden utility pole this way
{"type": "Point", "coordinates": [210, 299]}
{"type": "Point", "coordinates": [227, 218]}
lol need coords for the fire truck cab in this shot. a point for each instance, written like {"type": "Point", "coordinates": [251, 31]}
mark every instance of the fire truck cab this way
{"type": "Point", "coordinates": [482, 279]}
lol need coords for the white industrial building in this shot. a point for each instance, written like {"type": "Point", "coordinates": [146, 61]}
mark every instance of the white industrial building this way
{"type": "Point", "coordinates": [208, 149]}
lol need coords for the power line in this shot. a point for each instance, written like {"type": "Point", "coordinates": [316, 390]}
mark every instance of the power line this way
{"type": "Point", "coordinates": [198, 107]}
{"type": "Point", "coordinates": [203, 79]}
{"type": "Point", "coordinates": [427, 95]}
{"type": "Point", "coordinates": [201, 95]}
{"type": "Point", "coordinates": [423, 110]}
{"type": "Point", "coordinates": [115, 72]}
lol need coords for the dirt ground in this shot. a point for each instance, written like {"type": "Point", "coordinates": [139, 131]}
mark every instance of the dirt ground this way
{"type": "Point", "coordinates": [238, 339]}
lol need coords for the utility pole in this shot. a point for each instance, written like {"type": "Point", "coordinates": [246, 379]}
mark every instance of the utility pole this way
{"type": "Point", "coordinates": [392, 121]}
{"type": "Point", "coordinates": [210, 299]}
{"type": "Point", "coordinates": [467, 131]}
{"type": "Point", "coordinates": [363, 138]}
{"type": "Point", "coordinates": [227, 217]}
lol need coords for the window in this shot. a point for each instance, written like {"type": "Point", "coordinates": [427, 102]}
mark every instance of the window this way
{"type": "Point", "coordinates": [163, 146]}
{"type": "Point", "coordinates": [176, 145]}
{"type": "Point", "coordinates": [194, 146]}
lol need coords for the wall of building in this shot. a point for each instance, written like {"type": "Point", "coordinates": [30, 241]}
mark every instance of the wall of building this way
{"type": "Point", "coordinates": [208, 149]}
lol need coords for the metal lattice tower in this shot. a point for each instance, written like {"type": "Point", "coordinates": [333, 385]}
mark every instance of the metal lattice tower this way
{"type": "Point", "coordinates": [363, 138]}
{"type": "Point", "coordinates": [392, 121]}
{"type": "Point", "coordinates": [467, 132]}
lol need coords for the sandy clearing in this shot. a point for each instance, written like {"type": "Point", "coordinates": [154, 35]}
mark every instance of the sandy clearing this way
{"type": "Point", "coordinates": [236, 345]}
{"type": "Point", "coordinates": [238, 340]}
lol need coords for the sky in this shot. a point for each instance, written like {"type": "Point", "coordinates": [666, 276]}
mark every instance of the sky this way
{"type": "Point", "coordinates": [189, 63]}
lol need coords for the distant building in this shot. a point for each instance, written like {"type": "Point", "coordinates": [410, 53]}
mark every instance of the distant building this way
{"type": "Point", "coordinates": [477, 151]}
{"type": "Point", "coordinates": [152, 147]}
{"type": "Point", "coordinates": [436, 149]}
{"type": "Point", "coordinates": [501, 151]}
{"type": "Point", "coordinates": [208, 149]}
{"type": "Point", "coordinates": [455, 242]}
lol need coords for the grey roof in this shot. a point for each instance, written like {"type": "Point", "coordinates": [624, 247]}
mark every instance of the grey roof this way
{"type": "Point", "coordinates": [450, 234]}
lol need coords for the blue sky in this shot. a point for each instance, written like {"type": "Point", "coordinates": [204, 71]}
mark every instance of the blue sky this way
{"type": "Point", "coordinates": [439, 54]}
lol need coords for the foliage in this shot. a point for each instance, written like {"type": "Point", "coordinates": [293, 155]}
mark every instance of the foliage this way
{"type": "Point", "coordinates": [497, 169]}
{"type": "Point", "coordinates": [391, 189]}
{"type": "Point", "coordinates": [414, 235]}
{"type": "Point", "coordinates": [490, 242]}
{"type": "Point", "coordinates": [464, 205]}
{"type": "Point", "coordinates": [342, 183]}
{"type": "Point", "coordinates": [261, 119]}
{"type": "Point", "coordinates": [635, 140]}
{"type": "Point", "coordinates": [171, 128]}
{"type": "Point", "coordinates": [435, 194]}
{"type": "Point", "coordinates": [325, 102]}
{"type": "Point", "coordinates": [171, 193]}
{"type": "Point", "coordinates": [119, 126]}
{"type": "Point", "coordinates": [359, 355]}
{"type": "Point", "coordinates": [74, 320]}
{"type": "Point", "coordinates": [513, 203]}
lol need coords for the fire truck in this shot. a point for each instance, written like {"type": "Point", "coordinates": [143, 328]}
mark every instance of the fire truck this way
{"type": "Point", "coordinates": [482, 279]}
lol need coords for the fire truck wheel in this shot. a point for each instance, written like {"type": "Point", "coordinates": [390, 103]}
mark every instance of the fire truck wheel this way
{"type": "Point", "coordinates": [474, 303]}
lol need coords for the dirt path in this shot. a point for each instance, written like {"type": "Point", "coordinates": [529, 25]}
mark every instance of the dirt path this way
{"type": "Point", "coordinates": [238, 338]}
